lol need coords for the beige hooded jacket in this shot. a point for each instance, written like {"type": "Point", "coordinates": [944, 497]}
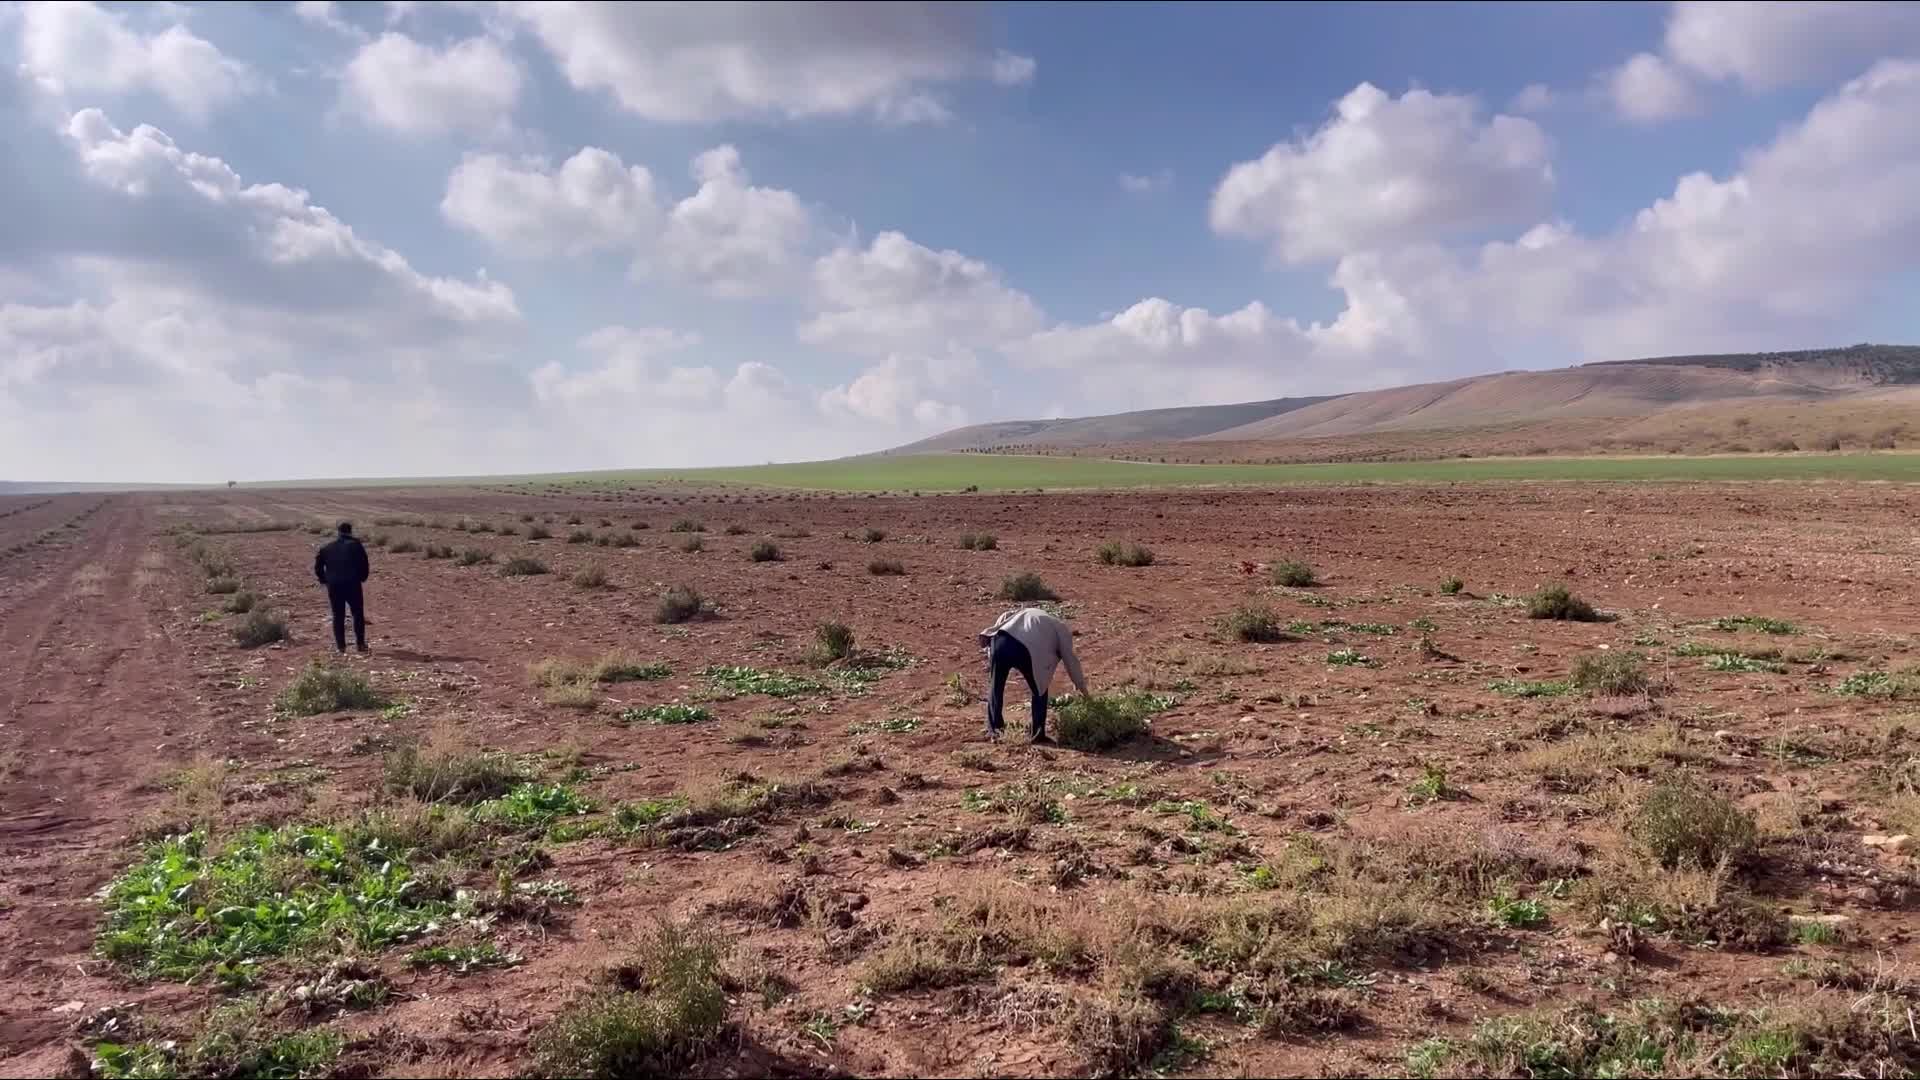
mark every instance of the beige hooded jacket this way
{"type": "Point", "coordinates": [1048, 640]}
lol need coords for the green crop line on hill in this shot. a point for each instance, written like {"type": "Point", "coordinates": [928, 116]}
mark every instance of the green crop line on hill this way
{"type": "Point", "coordinates": [1000, 472]}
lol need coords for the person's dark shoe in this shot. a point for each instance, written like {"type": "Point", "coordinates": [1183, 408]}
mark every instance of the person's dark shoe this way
{"type": "Point", "coordinates": [1041, 740]}
{"type": "Point", "coordinates": [362, 649]}
{"type": "Point", "coordinates": [992, 735]}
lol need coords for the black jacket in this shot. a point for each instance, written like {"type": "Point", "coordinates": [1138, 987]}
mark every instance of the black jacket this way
{"type": "Point", "coordinates": [342, 561]}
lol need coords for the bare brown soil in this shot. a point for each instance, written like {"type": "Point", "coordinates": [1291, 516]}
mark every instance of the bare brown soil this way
{"type": "Point", "coordinates": [113, 678]}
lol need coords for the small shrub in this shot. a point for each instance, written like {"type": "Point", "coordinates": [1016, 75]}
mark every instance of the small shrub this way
{"type": "Point", "coordinates": [571, 696]}
{"type": "Point", "coordinates": [523, 567]}
{"type": "Point", "coordinates": [573, 519]}
{"type": "Point", "coordinates": [1681, 824]}
{"type": "Point", "coordinates": [590, 577]}
{"type": "Point", "coordinates": [1026, 588]}
{"type": "Point", "coordinates": [978, 542]}
{"type": "Point", "coordinates": [1252, 623]}
{"type": "Point", "coordinates": [539, 532]}
{"type": "Point", "coordinates": [687, 525]}
{"type": "Point", "coordinates": [1124, 553]}
{"type": "Point", "coordinates": [886, 568]}
{"type": "Point", "coordinates": [1759, 623]}
{"type": "Point", "coordinates": [679, 604]}
{"type": "Point", "coordinates": [580, 536]}
{"type": "Point", "coordinates": [437, 551]}
{"type": "Point", "coordinates": [403, 546]}
{"type": "Point", "coordinates": [1432, 786]}
{"type": "Point", "coordinates": [1610, 674]}
{"type": "Point", "coordinates": [260, 627]}
{"type": "Point", "coordinates": [1103, 721]}
{"type": "Point", "coordinates": [623, 539]}
{"type": "Point", "coordinates": [241, 602]}
{"type": "Point", "coordinates": [764, 551]}
{"type": "Point", "coordinates": [663, 1010]}
{"type": "Point", "coordinates": [692, 544]}
{"type": "Point", "coordinates": [833, 640]}
{"type": "Point", "coordinates": [1293, 574]}
{"type": "Point", "coordinates": [450, 775]}
{"type": "Point", "coordinates": [473, 557]}
{"type": "Point", "coordinates": [322, 688]}
{"type": "Point", "coordinates": [1452, 586]}
{"type": "Point", "coordinates": [220, 586]}
{"type": "Point", "coordinates": [735, 530]}
{"type": "Point", "coordinates": [1555, 602]}
{"type": "Point", "coordinates": [873, 536]}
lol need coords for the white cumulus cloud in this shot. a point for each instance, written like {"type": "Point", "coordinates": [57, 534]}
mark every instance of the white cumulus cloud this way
{"type": "Point", "coordinates": [697, 63]}
{"type": "Point", "coordinates": [896, 296]}
{"type": "Point", "coordinates": [409, 88]}
{"type": "Point", "coordinates": [525, 206]}
{"type": "Point", "coordinates": [1386, 171]}
{"type": "Point", "coordinates": [82, 49]}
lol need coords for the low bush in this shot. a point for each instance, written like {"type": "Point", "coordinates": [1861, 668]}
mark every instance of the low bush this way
{"type": "Point", "coordinates": [735, 530]}
{"type": "Point", "coordinates": [1103, 721]}
{"type": "Point", "coordinates": [886, 568]}
{"type": "Point", "coordinates": [220, 586]}
{"type": "Point", "coordinates": [1026, 588]}
{"type": "Point", "coordinates": [764, 551]}
{"type": "Point", "coordinates": [661, 1012]}
{"type": "Point", "coordinates": [681, 603]}
{"type": "Point", "coordinates": [473, 557]}
{"type": "Point", "coordinates": [450, 774]}
{"type": "Point", "coordinates": [834, 641]}
{"type": "Point", "coordinates": [404, 546]}
{"type": "Point", "coordinates": [1123, 553]}
{"type": "Point", "coordinates": [241, 602]}
{"type": "Point", "coordinates": [1683, 824]}
{"type": "Point", "coordinates": [539, 532]}
{"type": "Point", "coordinates": [1555, 602]}
{"type": "Point", "coordinates": [590, 577]}
{"type": "Point", "coordinates": [1293, 574]}
{"type": "Point", "coordinates": [692, 544]}
{"type": "Point", "coordinates": [1253, 624]}
{"type": "Point", "coordinates": [323, 688]}
{"type": "Point", "coordinates": [623, 539]}
{"type": "Point", "coordinates": [687, 525]}
{"type": "Point", "coordinates": [260, 627]}
{"type": "Point", "coordinates": [1452, 586]}
{"type": "Point", "coordinates": [1610, 674]}
{"type": "Point", "coordinates": [437, 551]}
{"type": "Point", "coordinates": [580, 536]}
{"type": "Point", "coordinates": [873, 536]}
{"type": "Point", "coordinates": [523, 567]}
{"type": "Point", "coordinates": [978, 542]}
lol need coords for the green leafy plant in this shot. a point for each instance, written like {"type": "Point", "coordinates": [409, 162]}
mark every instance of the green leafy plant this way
{"type": "Point", "coordinates": [1556, 602]}
{"type": "Point", "coordinates": [1432, 786]}
{"type": "Point", "coordinates": [674, 713]}
{"type": "Point", "coordinates": [323, 688]}
{"type": "Point", "coordinates": [1103, 721]}
{"type": "Point", "coordinates": [1758, 623]}
{"type": "Point", "coordinates": [677, 1010]}
{"type": "Point", "coordinates": [1614, 674]}
{"type": "Point", "coordinates": [1253, 623]}
{"type": "Point", "coordinates": [1683, 824]}
{"type": "Point", "coordinates": [1293, 574]}
{"type": "Point", "coordinates": [260, 627]}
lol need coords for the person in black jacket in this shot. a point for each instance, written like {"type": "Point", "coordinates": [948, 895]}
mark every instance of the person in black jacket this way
{"type": "Point", "coordinates": [341, 565]}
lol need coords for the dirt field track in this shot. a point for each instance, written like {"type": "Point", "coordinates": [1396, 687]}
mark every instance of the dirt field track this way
{"type": "Point", "coordinates": [1351, 852]}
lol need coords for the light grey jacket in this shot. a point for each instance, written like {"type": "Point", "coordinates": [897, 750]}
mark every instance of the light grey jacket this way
{"type": "Point", "coordinates": [1048, 640]}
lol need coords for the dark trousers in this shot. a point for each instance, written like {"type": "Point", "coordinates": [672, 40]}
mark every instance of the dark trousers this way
{"type": "Point", "coordinates": [1004, 656]}
{"type": "Point", "coordinates": [340, 598]}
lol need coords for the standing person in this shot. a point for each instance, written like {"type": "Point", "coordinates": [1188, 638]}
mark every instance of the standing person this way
{"type": "Point", "coordinates": [341, 565]}
{"type": "Point", "coordinates": [1032, 642]}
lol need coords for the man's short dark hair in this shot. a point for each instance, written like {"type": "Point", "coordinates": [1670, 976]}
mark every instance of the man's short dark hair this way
{"type": "Point", "coordinates": [346, 528]}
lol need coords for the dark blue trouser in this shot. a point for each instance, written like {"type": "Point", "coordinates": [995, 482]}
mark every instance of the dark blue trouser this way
{"type": "Point", "coordinates": [1006, 655]}
{"type": "Point", "coordinates": [340, 598]}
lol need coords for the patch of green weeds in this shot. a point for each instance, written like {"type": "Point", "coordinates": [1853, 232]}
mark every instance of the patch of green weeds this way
{"type": "Point", "coordinates": [674, 713]}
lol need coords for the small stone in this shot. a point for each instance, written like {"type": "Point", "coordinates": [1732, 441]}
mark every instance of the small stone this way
{"type": "Point", "coordinates": [1890, 845]}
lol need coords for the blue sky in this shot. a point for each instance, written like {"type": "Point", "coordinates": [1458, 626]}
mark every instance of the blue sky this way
{"type": "Point", "coordinates": [903, 220]}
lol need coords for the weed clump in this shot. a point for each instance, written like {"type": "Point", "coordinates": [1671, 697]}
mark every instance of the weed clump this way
{"type": "Point", "coordinates": [764, 551]}
{"type": "Point", "coordinates": [523, 567]}
{"type": "Point", "coordinates": [447, 774]}
{"type": "Point", "coordinates": [590, 577]}
{"type": "Point", "coordinates": [833, 641]}
{"type": "Point", "coordinates": [437, 551]}
{"type": "Point", "coordinates": [735, 530]}
{"type": "Point", "coordinates": [473, 557]}
{"type": "Point", "coordinates": [1026, 588]}
{"type": "Point", "coordinates": [662, 1011]}
{"type": "Point", "coordinates": [1123, 553]}
{"type": "Point", "coordinates": [692, 543]}
{"type": "Point", "coordinates": [539, 532]}
{"type": "Point", "coordinates": [1293, 574]}
{"type": "Point", "coordinates": [403, 547]}
{"type": "Point", "coordinates": [681, 603]}
{"type": "Point", "coordinates": [1451, 586]}
{"type": "Point", "coordinates": [580, 536]}
{"type": "Point", "coordinates": [1682, 824]}
{"type": "Point", "coordinates": [978, 542]}
{"type": "Point", "coordinates": [886, 568]}
{"type": "Point", "coordinates": [260, 627]}
{"type": "Point", "coordinates": [1252, 623]}
{"type": "Point", "coordinates": [1556, 602]}
{"type": "Point", "coordinates": [687, 525]}
{"type": "Point", "coordinates": [1610, 674]}
{"type": "Point", "coordinates": [220, 586]}
{"type": "Point", "coordinates": [323, 688]}
{"type": "Point", "coordinates": [674, 713]}
{"type": "Point", "coordinates": [1104, 721]}
{"type": "Point", "coordinates": [873, 536]}
{"type": "Point", "coordinates": [241, 602]}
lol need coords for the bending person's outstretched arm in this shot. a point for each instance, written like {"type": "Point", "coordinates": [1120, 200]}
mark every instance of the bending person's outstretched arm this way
{"type": "Point", "coordinates": [1071, 659]}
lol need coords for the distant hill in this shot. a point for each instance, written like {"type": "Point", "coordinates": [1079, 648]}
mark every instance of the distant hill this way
{"type": "Point", "coordinates": [1150, 425]}
{"type": "Point", "coordinates": [1627, 389]}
